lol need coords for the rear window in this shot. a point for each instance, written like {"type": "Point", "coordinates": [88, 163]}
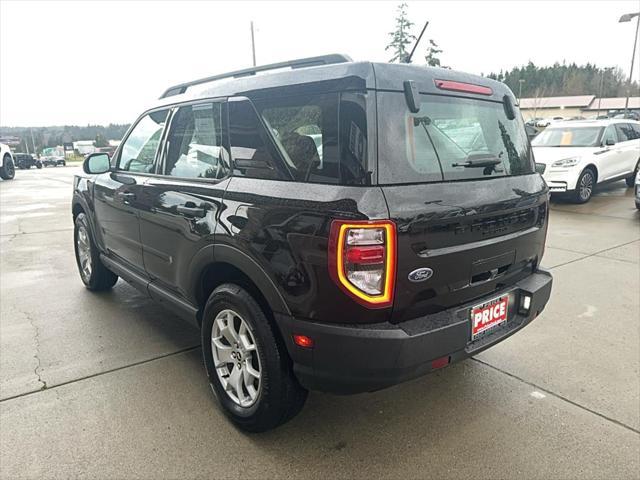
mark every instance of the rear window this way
{"type": "Point", "coordinates": [567, 136]}
{"type": "Point", "coordinates": [450, 138]}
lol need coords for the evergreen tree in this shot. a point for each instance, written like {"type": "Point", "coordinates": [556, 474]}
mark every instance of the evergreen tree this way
{"type": "Point", "coordinates": [432, 56]}
{"type": "Point", "coordinates": [401, 37]}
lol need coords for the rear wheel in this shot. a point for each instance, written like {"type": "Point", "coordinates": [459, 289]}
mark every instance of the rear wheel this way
{"type": "Point", "coordinates": [7, 170]}
{"type": "Point", "coordinates": [92, 271]}
{"type": "Point", "coordinates": [38, 165]}
{"type": "Point", "coordinates": [584, 187]}
{"type": "Point", "coordinates": [248, 367]}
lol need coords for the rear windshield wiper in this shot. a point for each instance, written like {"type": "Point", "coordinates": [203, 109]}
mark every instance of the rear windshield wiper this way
{"type": "Point", "coordinates": [479, 161]}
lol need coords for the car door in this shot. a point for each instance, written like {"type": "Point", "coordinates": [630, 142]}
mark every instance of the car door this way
{"type": "Point", "coordinates": [628, 147]}
{"type": "Point", "coordinates": [117, 193]}
{"type": "Point", "coordinates": [608, 159]}
{"type": "Point", "coordinates": [181, 203]}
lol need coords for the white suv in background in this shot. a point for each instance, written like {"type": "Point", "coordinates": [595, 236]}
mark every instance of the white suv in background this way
{"type": "Point", "coordinates": [574, 156]}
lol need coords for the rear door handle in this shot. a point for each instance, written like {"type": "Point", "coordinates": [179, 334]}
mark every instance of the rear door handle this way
{"type": "Point", "coordinates": [190, 209]}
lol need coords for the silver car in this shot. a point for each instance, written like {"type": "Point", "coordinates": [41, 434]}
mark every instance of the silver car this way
{"type": "Point", "coordinates": [637, 190]}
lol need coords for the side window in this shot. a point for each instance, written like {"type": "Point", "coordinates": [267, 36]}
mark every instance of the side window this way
{"type": "Point", "coordinates": [636, 129]}
{"type": "Point", "coordinates": [138, 151]}
{"type": "Point", "coordinates": [353, 139]}
{"type": "Point", "coordinates": [609, 135]}
{"type": "Point", "coordinates": [253, 155]}
{"type": "Point", "coordinates": [626, 132]}
{"type": "Point", "coordinates": [194, 147]}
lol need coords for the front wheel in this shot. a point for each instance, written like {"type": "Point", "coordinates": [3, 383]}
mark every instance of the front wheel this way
{"type": "Point", "coordinates": [584, 187]}
{"type": "Point", "coordinates": [7, 169]}
{"type": "Point", "coordinates": [248, 366]}
{"type": "Point", "coordinates": [93, 273]}
{"type": "Point", "coordinates": [631, 180]}
{"type": "Point", "coordinates": [38, 165]}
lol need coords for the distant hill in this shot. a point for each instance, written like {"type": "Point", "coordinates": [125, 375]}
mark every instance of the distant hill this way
{"type": "Point", "coordinates": [566, 79]}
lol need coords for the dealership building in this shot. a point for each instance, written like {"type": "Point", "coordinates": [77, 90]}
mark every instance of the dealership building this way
{"type": "Point", "coordinates": [587, 106]}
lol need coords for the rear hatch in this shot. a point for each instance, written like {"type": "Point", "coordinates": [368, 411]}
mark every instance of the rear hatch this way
{"type": "Point", "coordinates": [459, 180]}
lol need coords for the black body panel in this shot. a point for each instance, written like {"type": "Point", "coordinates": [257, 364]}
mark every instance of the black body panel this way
{"type": "Point", "coordinates": [285, 229]}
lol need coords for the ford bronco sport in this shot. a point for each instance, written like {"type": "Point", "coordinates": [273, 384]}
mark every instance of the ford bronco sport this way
{"type": "Point", "coordinates": [327, 224]}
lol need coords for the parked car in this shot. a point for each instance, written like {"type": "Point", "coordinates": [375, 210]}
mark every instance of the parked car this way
{"type": "Point", "coordinates": [545, 122]}
{"type": "Point", "coordinates": [637, 188]}
{"type": "Point", "coordinates": [574, 157]}
{"type": "Point", "coordinates": [26, 160]}
{"type": "Point", "coordinates": [416, 242]}
{"type": "Point", "coordinates": [7, 168]}
{"type": "Point", "coordinates": [53, 161]}
{"type": "Point", "coordinates": [628, 115]}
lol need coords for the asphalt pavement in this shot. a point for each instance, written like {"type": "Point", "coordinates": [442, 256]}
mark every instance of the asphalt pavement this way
{"type": "Point", "coordinates": [111, 385]}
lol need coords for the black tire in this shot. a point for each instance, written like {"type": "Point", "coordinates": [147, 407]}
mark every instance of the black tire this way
{"type": "Point", "coordinates": [8, 169]}
{"type": "Point", "coordinates": [280, 397]}
{"type": "Point", "coordinates": [99, 277]}
{"type": "Point", "coordinates": [631, 180]}
{"type": "Point", "coordinates": [584, 186]}
{"type": "Point", "coordinates": [38, 165]}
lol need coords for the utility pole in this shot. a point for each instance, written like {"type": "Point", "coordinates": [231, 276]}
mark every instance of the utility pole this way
{"type": "Point", "coordinates": [627, 18]}
{"type": "Point", "coordinates": [520, 81]}
{"type": "Point", "coordinates": [600, 93]}
{"type": "Point", "coordinates": [253, 45]}
{"type": "Point", "coordinates": [33, 141]}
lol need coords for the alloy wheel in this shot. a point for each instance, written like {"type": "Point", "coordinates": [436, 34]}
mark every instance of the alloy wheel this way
{"type": "Point", "coordinates": [586, 186]}
{"type": "Point", "coordinates": [84, 253]}
{"type": "Point", "coordinates": [235, 358]}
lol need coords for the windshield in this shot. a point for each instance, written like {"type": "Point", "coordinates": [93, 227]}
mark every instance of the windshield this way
{"type": "Point", "coordinates": [450, 138]}
{"type": "Point", "coordinates": [567, 136]}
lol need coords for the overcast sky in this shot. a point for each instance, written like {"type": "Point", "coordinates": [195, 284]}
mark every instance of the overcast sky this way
{"type": "Point", "coordinates": [100, 62]}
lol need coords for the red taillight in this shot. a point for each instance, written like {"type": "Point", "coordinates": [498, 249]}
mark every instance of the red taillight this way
{"type": "Point", "coordinates": [365, 255]}
{"type": "Point", "coordinates": [362, 260]}
{"type": "Point", "coordinates": [303, 341]}
{"type": "Point", "coordinates": [463, 87]}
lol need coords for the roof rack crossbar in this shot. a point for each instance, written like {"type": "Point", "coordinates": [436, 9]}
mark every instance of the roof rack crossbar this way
{"type": "Point", "coordinates": [247, 72]}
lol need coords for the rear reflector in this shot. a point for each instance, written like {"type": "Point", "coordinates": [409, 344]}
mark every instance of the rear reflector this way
{"type": "Point", "coordinates": [440, 362]}
{"type": "Point", "coordinates": [463, 87]}
{"type": "Point", "coordinates": [303, 341]}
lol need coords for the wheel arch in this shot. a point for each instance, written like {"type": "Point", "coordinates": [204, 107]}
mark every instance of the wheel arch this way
{"type": "Point", "coordinates": [230, 265]}
{"type": "Point", "coordinates": [592, 167]}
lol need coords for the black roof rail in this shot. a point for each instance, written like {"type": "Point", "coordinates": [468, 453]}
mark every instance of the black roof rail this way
{"type": "Point", "coordinates": [293, 64]}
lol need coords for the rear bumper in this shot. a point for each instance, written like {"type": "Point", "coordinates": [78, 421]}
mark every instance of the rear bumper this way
{"type": "Point", "coordinates": [362, 358]}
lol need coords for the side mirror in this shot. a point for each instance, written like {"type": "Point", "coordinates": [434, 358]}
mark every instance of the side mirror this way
{"type": "Point", "coordinates": [96, 163]}
{"type": "Point", "coordinates": [609, 142]}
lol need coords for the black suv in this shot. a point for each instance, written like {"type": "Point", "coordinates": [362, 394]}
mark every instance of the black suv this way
{"type": "Point", "coordinates": [328, 224]}
{"type": "Point", "coordinates": [26, 161]}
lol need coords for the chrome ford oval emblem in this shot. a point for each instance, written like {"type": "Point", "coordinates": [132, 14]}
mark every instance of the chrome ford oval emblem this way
{"type": "Point", "coordinates": [420, 275]}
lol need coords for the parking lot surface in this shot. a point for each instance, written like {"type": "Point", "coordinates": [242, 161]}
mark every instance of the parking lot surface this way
{"type": "Point", "coordinates": [112, 385]}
